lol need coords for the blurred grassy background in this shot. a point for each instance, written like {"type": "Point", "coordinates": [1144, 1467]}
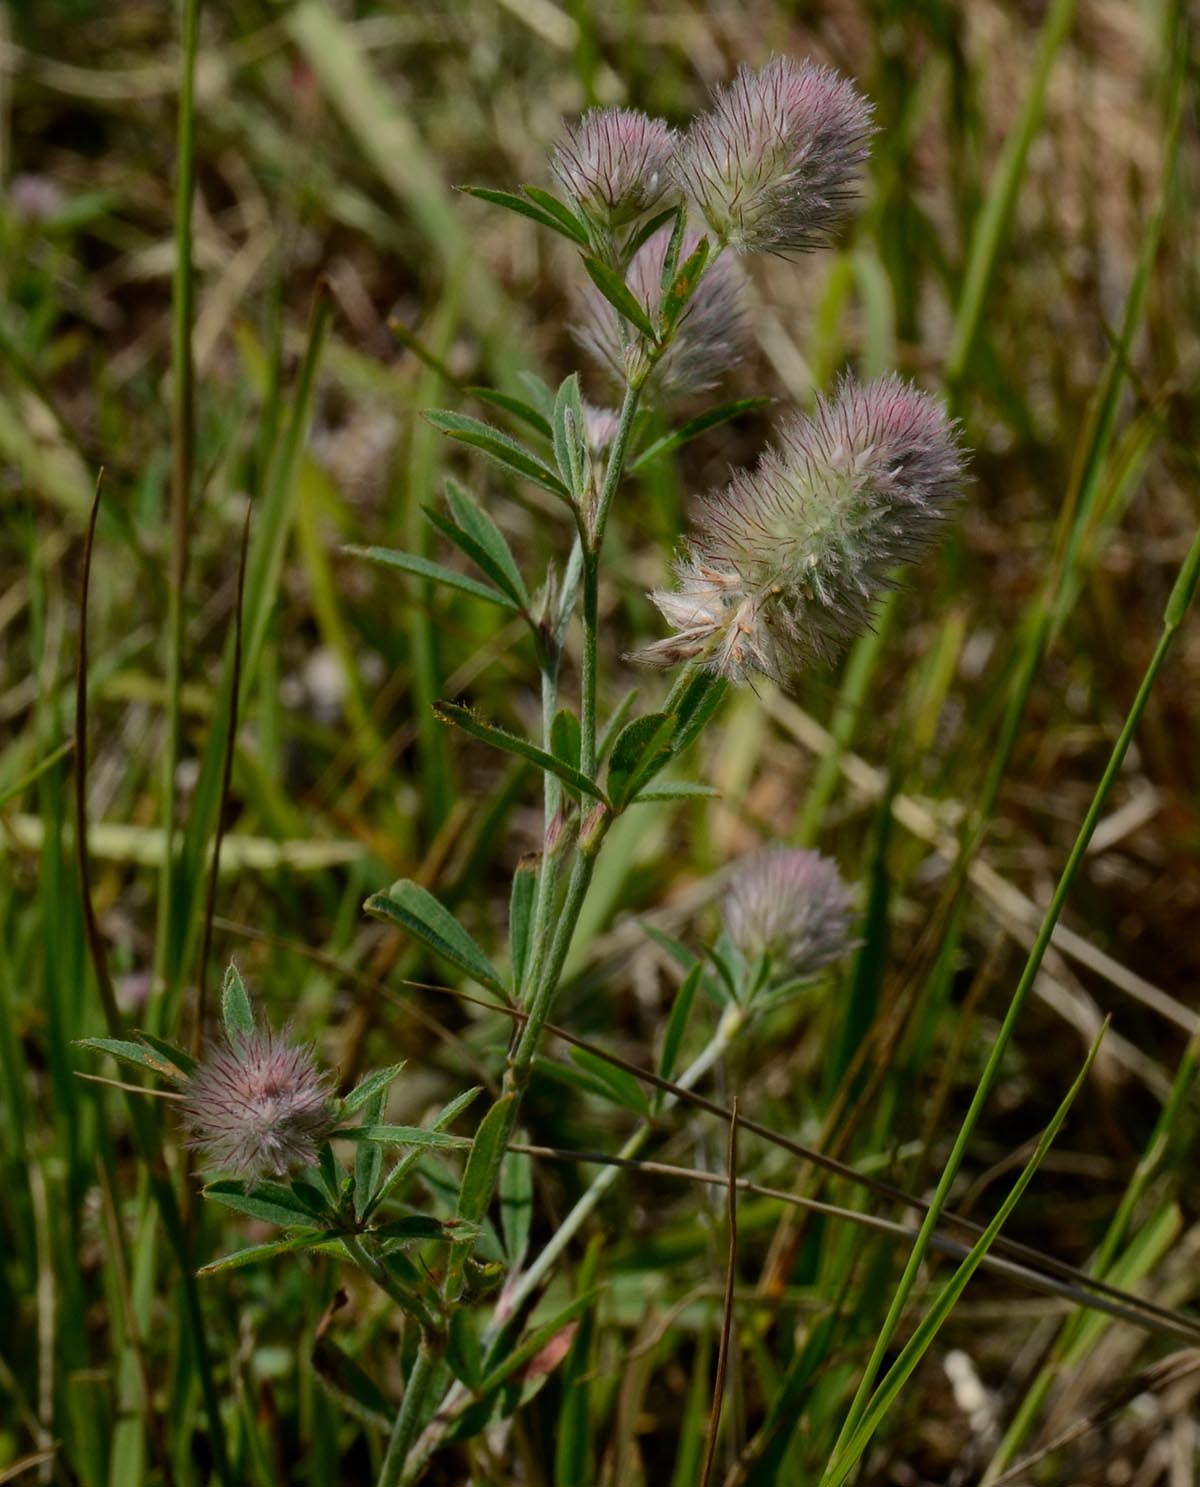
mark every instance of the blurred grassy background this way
{"type": "Point", "coordinates": [1027, 245]}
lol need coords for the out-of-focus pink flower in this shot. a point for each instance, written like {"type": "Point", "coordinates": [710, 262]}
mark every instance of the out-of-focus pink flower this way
{"type": "Point", "coordinates": [711, 338]}
{"type": "Point", "coordinates": [790, 905]}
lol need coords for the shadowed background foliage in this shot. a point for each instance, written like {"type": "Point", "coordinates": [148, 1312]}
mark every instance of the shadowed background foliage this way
{"type": "Point", "coordinates": [1026, 247]}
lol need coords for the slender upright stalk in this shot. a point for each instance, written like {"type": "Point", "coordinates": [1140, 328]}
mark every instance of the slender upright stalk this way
{"type": "Point", "coordinates": [1177, 605]}
{"type": "Point", "coordinates": [408, 1418]}
{"type": "Point", "coordinates": [183, 421]}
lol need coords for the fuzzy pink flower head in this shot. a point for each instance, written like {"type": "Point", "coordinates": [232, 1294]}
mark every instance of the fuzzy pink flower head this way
{"type": "Point", "coordinates": [790, 557]}
{"type": "Point", "coordinates": [712, 337]}
{"type": "Point", "coordinates": [792, 906]}
{"type": "Point", "coordinates": [773, 164]}
{"type": "Point", "coordinates": [258, 1104]}
{"type": "Point", "coordinates": [615, 163]}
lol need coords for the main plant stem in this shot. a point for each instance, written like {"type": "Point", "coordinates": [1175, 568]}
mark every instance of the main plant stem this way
{"type": "Point", "coordinates": [408, 1418]}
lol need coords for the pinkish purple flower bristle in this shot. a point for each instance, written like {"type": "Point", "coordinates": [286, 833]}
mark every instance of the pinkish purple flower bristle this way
{"type": "Point", "coordinates": [773, 164]}
{"type": "Point", "coordinates": [258, 1105]}
{"type": "Point", "coordinates": [790, 905]}
{"type": "Point", "coordinates": [791, 556]}
{"type": "Point", "coordinates": [712, 337]}
{"type": "Point", "coordinates": [615, 163]}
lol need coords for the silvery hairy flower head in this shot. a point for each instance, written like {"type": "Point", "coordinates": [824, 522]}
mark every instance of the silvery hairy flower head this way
{"type": "Point", "coordinates": [790, 905]}
{"type": "Point", "coordinates": [711, 337]}
{"type": "Point", "coordinates": [615, 163]}
{"type": "Point", "coordinates": [773, 163]}
{"type": "Point", "coordinates": [790, 556]}
{"type": "Point", "coordinates": [258, 1104]}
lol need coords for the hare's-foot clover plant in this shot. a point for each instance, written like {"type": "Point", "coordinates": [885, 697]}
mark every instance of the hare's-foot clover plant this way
{"type": "Point", "coordinates": [782, 572]}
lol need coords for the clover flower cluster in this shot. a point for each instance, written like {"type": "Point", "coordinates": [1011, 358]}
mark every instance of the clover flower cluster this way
{"type": "Point", "coordinates": [771, 167]}
{"type": "Point", "coordinates": [258, 1105]}
{"type": "Point", "coordinates": [791, 906]}
{"type": "Point", "coordinates": [790, 557]}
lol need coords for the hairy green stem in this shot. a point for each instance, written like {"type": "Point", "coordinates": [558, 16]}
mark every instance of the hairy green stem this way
{"type": "Point", "coordinates": [408, 1417]}
{"type": "Point", "coordinates": [1177, 605]}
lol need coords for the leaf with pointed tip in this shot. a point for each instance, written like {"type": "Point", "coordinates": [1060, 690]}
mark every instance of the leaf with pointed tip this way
{"type": "Point", "coordinates": [461, 717]}
{"type": "Point", "coordinates": [674, 248]}
{"type": "Point", "coordinates": [516, 1205]}
{"type": "Point", "coordinates": [419, 567]}
{"type": "Point", "coordinates": [641, 750]}
{"type": "Point", "coordinates": [236, 1011]}
{"type": "Point", "coordinates": [448, 1113]}
{"type": "Point", "coordinates": [677, 1022]}
{"type": "Point", "coordinates": [573, 226]}
{"type": "Point", "coordinates": [519, 409]}
{"type": "Point", "coordinates": [370, 1085]}
{"type": "Point", "coordinates": [642, 235]}
{"type": "Point", "coordinates": [520, 918]}
{"type": "Point", "coordinates": [712, 419]}
{"type": "Point", "coordinates": [415, 909]}
{"type": "Point", "coordinates": [368, 1158]}
{"type": "Point", "coordinates": [701, 698]}
{"type": "Point", "coordinates": [620, 296]}
{"type": "Point", "coordinates": [676, 790]}
{"type": "Point", "coordinates": [684, 284]}
{"type": "Point", "coordinates": [499, 447]}
{"type": "Point", "coordinates": [134, 1053]}
{"type": "Point", "coordinates": [269, 1201]}
{"type": "Point", "coordinates": [620, 1087]}
{"type": "Point", "coordinates": [415, 1227]}
{"type": "Point", "coordinates": [485, 542]}
{"type": "Point", "coordinates": [524, 208]}
{"type": "Point", "coordinates": [256, 1252]}
{"type": "Point", "coordinates": [569, 452]}
{"type": "Point", "coordinates": [400, 1136]}
{"type": "Point", "coordinates": [173, 1055]}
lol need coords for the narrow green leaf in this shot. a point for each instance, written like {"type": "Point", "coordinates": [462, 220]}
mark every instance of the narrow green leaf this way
{"type": "Point", "coordinates": [476, 1191]}
{"type": "Point", "coordinates": [641, 750]}
{"type": "Point", "coordinates": [419, 567]}
{"type": "Point", "coordinates": [674, 248]}
{"type": "Point", "coordinates": [642, 234]}
{"type": "Point", "coordinates": [676, 790]}
{"type": "Point", "coordinates": [524, 208]}
{"type": "Point", "coordinates": [416, 1227]}
{"type": "Point", "coordinates": [180, 1059]}
{"type": "Point", "coordinates": [711, 419]}
{"type": "Point", "coordinates": [614, 725]}
{"type": "Point", "coordinates": [569, 450]}
{"type": "Point", "coordinates": [620, 1086]}
{"type": "Point", "coordinates": [572, 226]}
{"type": "Point", "coordinates": [236, 1011]}
{"type": "Point", "coordinates": [565, 740]}
{"type": "Point", "coordinates": [500, 447]}
{"type": "Point", "coordinates": [503, 1367]}
{"type": "Point", "coordinates": [134, 1053]}
{"type": "Point", "coordinates": [269, 1201]}
{"type": "Point", "coordinates": [519, 409]}
{"type": "Point", "coordinates": [370, 1085]}
{"type": "Point", "coordinates": [400, 1136]}
{"type": "Point", "coordinates": [445, 1117]}
{"type": "Point", "coordinates": [256, 1252]}
{"type": "Point", "coordinates": [701, 698]}
{"type": "Point", "coordinates": [520, 918]}
{"type": "Point", "coordinates": [414, 908]}
{"type": "Point", "coordinates": [368, 1158]}
{"type": "Point", "coordinates": [620, 296]}
{"type": "Point", "coordinates": [541, 395]}
{"type": "Point", "coordinates": [461, 717]}
{"type": "Point", "coordinates": [683, 286]}
{"type": "Point", "coordinates": [483, 531]}
{"type": "Point", "coordinates": [516, 1204]}
{"type": "Point", "coordinates": [573, 1446]}
{"type": "Point", "coordinates": [930, 1324]}
{"type": "Point", "coordinates": [681, 1010]}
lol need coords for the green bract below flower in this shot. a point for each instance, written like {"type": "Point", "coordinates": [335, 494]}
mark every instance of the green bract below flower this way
{"type": "Point", "coordinates": [791, 556]}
